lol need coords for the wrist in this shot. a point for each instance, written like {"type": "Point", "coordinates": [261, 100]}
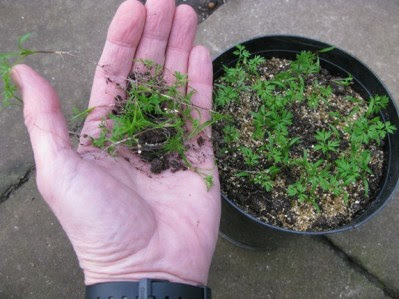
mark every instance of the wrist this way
{"type": "Point", "coordinates": [95, 278]}
{"type": "Point", "coordinates": [136, 269]}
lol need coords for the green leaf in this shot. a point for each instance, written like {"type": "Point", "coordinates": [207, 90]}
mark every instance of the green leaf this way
{"type": "Point", "coordinates": [322, 135]}
{"type": "Point", "coordinates": [250, 158]}
{"type": "Point", "coordinates": [345, 198]}
{"type": "Point", "coordinates": [224, 95]}
{"type": "Point", "coordinates": [77, 114]}
{"type": "Point", "coordinates": [292, 190]}
{"type": "Point", "coordinates": [209, 182]}
{"type": "Point", "coordinates": [175, 145]}
{"type": "Point", "coordinates": [273, 170]}
{"type": "Point", "coordinates": [302, 198]}
{"type": "Point", "coordinates": [5, 56]}
{"type": "Point", "coordinates": [324, 184]}
{"type": "Point", "coordinates": [231, 134]}
{"type": "Point", "coordinates": [327, 49]}
{"type": "Point", "coordinates": [306, 63]}
{"type": "Point", "coordinates": [389, 127]}
{"type": "Point", "coordinates": [5, 69]}
{"type": "Point", "coordinates": [264, 180]}
{"type": "Point", "coordinates": [242, 174]}
{"type": "Point", "coordinates": [315, 205]}
{"type": "Point", "coordinates": [344, 81]}
{"type": "Point", "coordinates": [366, 187]}
{"type": "Point", "coordinates": [22, 40]}
{"type": "Point", "coordinates": [198, 128]}
{"type": "Point", "coordinates": [242, 54]}
{"type": "Point", "coordinates": [294, 141]}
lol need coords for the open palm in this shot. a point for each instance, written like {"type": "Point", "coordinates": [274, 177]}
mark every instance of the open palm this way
{"type": "Point", "coordinates": [125, 223]}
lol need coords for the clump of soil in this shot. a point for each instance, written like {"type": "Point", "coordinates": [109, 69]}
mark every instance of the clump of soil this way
{"type": "Point", "coordinates": [152, 150]}
{"type": "Point", "coordinates": [275, 206]}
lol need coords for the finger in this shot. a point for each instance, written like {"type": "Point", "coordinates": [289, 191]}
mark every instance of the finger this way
{"type": "Point", "coordinates": [200, 79]}
{"type": "Point", "coordinates": [156, 32]}
{"type": "Point", "coordinates": [115, 63]}
{"type": "Point", "coordinates": [180, 41]}
{"type": "Point", "coordinates": [43, 117]}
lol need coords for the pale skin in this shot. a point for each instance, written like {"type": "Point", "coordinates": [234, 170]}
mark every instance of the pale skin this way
{"type": "Point", "coordinates": [124, 224]}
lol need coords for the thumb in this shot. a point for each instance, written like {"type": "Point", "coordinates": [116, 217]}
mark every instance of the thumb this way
{"type": "Point", "coordinates": [43, 118]}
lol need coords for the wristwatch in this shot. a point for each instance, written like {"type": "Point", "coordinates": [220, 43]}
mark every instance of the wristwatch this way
{"type": "Point", "coordinates": [146, 289]}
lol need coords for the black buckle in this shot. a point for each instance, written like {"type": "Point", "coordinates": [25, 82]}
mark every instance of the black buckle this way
{"type": "Point", "coordinates": [145, 288]}
{"type": "Point", "coordinates": [146, 291]}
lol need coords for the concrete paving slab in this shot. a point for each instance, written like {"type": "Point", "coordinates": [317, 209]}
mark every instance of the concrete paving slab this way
{"type": "Point", "coordinates": [376, 246]}
{"type": "Point", "coordinates": [36, 258]}
{"type": "Point", "coordinates": [304, 268]}
{"type": "Point", "coordinates": [37, 261]}
{"type": "Point", "coordinates": [367, 29]}
{"type": "Point", "coordinates": [15, 151]}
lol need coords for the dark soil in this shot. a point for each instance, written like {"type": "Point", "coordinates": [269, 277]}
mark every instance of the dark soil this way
{"type": "Point", "coordinates": [155, 156]}
{"type": "Point", "coordinates": [276, 207]}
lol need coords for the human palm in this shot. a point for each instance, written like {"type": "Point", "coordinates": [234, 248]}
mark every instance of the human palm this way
{"type": "Point", "coordinates": [124, 222]}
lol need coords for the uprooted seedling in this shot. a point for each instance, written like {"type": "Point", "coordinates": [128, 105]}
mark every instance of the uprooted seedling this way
{"type": "Point", "coordinates": [151, 120]}
{"type": "Point", "coordinates": [8, 60]}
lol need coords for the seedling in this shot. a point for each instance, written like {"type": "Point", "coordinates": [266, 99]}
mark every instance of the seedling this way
{"type": "Point", "coordinates": [264, 180]}
{"type": "Point", "coordinates": [225, 95]}
{"type": "Point", "coordinates": [325, 145]}
{"type": "Point", "coordinates": [250, 158]}
{"type": "Point", "coordinates": [231, 133]}
{"type": "Point", "coordinates": [376, 104]}
{"type": "Point", "coordinates": [8, 60]}
{"type": "Point", "coordinates": [151, 120]}
{"type": "Point", "coordinates": [344, 81]}
{"type": "Point", "coordinates": [330, 162]}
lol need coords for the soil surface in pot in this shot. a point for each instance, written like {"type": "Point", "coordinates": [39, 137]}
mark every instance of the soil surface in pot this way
{"type": "Point", "coordinates": [280, 203]}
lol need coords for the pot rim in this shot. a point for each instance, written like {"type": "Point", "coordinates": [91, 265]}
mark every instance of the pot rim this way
{"type": "Point", "coordinates": [347, 226]}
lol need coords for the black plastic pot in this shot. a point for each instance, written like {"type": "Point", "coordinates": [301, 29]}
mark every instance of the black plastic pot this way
{"type": "Point", "coordinates": [247, 231]}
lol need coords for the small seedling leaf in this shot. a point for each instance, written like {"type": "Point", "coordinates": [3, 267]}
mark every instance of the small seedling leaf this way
{"type": "Point", "coordinates": [81, 114]}
{"type": "Point", "coordinates": [327, 49]}
{"type": "Point", "coordinates": [209, 182]}
{"type": "Point", "coordinates": [242, 174]}
{"type": "Point", "coordinates": [23, 39]}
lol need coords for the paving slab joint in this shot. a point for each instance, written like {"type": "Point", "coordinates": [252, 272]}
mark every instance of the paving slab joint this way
{"type": "Point", "coordinates": [14, 187]}
{"type": "Point", "coordinates": [357, 266]}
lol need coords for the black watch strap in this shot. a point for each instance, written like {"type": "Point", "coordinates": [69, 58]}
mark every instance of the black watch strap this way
{"type": "Point", "coordinates": [146, 289]}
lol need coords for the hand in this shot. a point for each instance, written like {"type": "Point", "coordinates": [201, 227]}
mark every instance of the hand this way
{"type": "Point", "coordinates": [124, 224]}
